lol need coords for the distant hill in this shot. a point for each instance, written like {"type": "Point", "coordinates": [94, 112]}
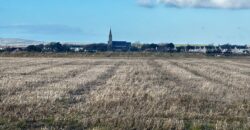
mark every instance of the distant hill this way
{"type": "Point", "coordinates": [18, 42]}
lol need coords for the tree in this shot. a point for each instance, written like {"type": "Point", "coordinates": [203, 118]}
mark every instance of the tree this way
{"type": "Point", "coordinates": [150, 47]}
{"type": "Point", "coordinates": [181, 49]}
{"type": "Point", "coordinates": [168, 47]}
{"type": "Point", "coordinates": [226, 46]}
{"type": "Point", "coordinates": [57, 47]}
{"type": "Point", "coordinates": [96, 47]}
{"type": "Point", "coordinates": [171, 46]}
{"type": "Point", "coordinates": [134, 49]}
{"type": "Point", "coordinates": [34, 48]}
{"type": "Point", "coordinates": [189, 47]}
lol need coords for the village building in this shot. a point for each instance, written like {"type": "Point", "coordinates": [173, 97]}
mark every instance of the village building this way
{"type": "Point", "coordinates": [2, 48]}
{"type": "Point", "coordinates": [118, 45]}
{"type": "Point", "coordinates": [198, 49]}
{"type": "Point", "coordinates": [240, 50]}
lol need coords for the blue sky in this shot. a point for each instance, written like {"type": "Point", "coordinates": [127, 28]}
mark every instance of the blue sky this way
{"type": "Point", "coordinates": [90, 20]}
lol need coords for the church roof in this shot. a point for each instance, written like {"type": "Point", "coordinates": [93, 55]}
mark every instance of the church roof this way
{"type": "Point", "coordinates": [120, 43]}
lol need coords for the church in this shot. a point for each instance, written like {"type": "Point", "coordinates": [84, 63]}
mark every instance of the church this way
{"type": "Point", "coordinates": [118, 45]}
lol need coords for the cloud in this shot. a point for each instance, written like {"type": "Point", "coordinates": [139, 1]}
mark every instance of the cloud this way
{"type": "Point", "coordinates": [51, 29]}
{"type": "Point", "coordinates": [218, 4]}
{"type": "Point", "coordinates": [147, 3]}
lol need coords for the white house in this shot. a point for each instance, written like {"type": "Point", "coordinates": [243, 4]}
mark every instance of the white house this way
{"type": "Point", "coordinates": [240, 50]}
{"type": "Point", "coordinates": [2, 48]}
{"type": "Point", "coordinates": [202, 49]}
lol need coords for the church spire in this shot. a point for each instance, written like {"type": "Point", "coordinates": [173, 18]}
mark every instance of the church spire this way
{"type": "Point", "coordinates": [110, 37]}
{"type": "Point", "coordinates": [110, 32]}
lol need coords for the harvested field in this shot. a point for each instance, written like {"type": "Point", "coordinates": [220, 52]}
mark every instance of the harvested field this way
{"type": "Point", "coordinates": [74, 93]}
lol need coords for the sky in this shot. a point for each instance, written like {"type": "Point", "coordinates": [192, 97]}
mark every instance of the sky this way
{"type": "Point", "coordinates": [148, 21]}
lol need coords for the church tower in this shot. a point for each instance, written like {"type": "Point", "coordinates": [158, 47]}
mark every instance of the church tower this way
{"type": "Point", "coordinates": [110, 38]}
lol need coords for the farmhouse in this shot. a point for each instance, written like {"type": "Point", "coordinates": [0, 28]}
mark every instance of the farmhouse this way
{"type": "Point", "coordinates": [118, 45]}
{"type": "Point", "coordinates": [198, 49]}
{"type": "Point", "coordinates": [234, 49]}
{"type": "Point", "coordinates": [240, 50]}
{"type": "Point", "coordinates": [2, 48]}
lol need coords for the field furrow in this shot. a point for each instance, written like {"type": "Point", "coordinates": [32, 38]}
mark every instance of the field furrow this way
{"type": "Point", "coordinates": [14, 65]}
{"type": "Point", "coordinates": [124, 93]}
{"type": "Point", "coordinates": [234, 69]}
{"type": "Point", "coordinates": [225, 76]}
{"type": "Point", "coordinates": [45, 86]}
{"type": "Point", "coordinates": [236, 84]}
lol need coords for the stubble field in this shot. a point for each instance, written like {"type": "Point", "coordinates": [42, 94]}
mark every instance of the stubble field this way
{"type": "Point", "coordinates": [74, 93]}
